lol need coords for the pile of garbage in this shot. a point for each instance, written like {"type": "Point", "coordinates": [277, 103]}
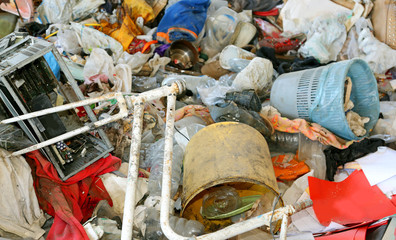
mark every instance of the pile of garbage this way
{"type": "Point", "coordinates": [238, 119]}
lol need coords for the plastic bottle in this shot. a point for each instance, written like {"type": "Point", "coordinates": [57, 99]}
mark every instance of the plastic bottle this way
{"type": "Point", "coordinates": [155, 158]}
{"type": "Point", "coordinates": [181, 226]}
{"type": "Point", "coordinates": [220, 26]}
{"type": "Point", "coordinates": [238, 64]}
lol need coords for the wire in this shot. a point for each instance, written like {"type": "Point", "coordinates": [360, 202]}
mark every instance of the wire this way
{"type": "Point", "coordinates": [181, 133]}
{"type": "Point", "coordinates": [273, 211]}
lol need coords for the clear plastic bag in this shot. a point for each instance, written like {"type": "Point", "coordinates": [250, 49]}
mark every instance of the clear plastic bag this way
{"type": "Point", "coordinates": [142, 84]}
{"type": "Point", "coordinates": [13, 138]}
{"type": "Point", "coordinates": [186, 129]}
{"type": "Point", "coordinates": [213, 92]}
{"type": "Point", "coordinates": [182, 226]}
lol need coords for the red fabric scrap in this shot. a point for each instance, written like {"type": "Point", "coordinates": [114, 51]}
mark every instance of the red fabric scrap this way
{"type": "Point", "coordinates": [350, 201]}
{"type": "Point", "coordinates": [72, 201]}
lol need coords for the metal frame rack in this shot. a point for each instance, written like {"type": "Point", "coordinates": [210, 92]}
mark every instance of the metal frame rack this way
{"type": "Point", "coordinates": [22, 65]}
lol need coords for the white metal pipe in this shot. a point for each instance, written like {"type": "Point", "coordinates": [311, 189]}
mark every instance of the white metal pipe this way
{"type": "Point", "coordinates": [134, 154]}
{"type": "Point", "coordinates": [61, 108]}
{"type": "Point", "coordinates": [285, 222]}
{"type": "Point", "coordinates": [167, 168]}
{"type": "Point", "coordinates": [145, 96]}
{"type": "Point", "coordinates": [129, 205]}
{"type": "Point", "coordinates": [122, 114]}
{"type": "Point", "coordinates": [158, 92]}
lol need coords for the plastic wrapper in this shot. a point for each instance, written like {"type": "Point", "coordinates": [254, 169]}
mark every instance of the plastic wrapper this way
{"type": "Point", "coordinates": [12, 138]}
{"type": "Point", "coordinates": [157, 63]}
{"type": "Point", "coordinates": [267, 28]}
{"type": "Point", "coordinates": [186, 129]}
{"type": "Point", "coordinates": [25, 8]}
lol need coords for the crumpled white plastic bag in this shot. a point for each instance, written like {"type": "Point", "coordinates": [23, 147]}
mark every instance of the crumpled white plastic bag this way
{"type": "Point", "coordinates": [158, 62]}
{"type": "Point", "coordinates": [100, 66]}
{"type": "Point", "coordinates": [213, 92]}
{"type": "Point", "coordinates": [68, 40]}
{"type": "Point", "coordinates": [116, 187]}
{"type": "Point", "coordinates": [85, 7]}
{"type": "Point", "coordinates": [90, 38]}
{"type": "Point", "coordinates": [135, 61]}
{"type": "Point", "coordinates": [122, 78]}
{"type": "Point", "coordinates": [387, 125]}
{"type": "Point", "coordinates": [257, 75]}
{"type": "Point", "coordinates": [325, 39]}
{"type": "Point", "coordinates": [298, 19]}
{"type": "Point", "coordinates": [99, 62]}
{"type": "Point", "coordinates": [378, 55]}
{"type": "Point", "coordinates": [56, 11]}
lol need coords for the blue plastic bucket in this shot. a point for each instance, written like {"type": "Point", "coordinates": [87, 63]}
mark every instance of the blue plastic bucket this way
{"type": "Point", "coordinates": [317, 95]}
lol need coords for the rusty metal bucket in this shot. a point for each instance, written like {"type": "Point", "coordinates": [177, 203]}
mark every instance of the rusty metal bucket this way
{"type": "Point", "coordinates": [226, 153]}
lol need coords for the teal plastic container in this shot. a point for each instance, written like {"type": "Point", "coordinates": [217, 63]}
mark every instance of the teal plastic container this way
{"type": "Point", "coordinates": [317, 95]}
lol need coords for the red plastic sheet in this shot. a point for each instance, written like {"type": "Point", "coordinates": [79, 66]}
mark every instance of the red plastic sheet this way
{"type": "Point", "coordinates": [350, 201]}
{"type": "Point", "coordinates": [353, 234]}
{"type": "Point", "coordinates": [73, 201]}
